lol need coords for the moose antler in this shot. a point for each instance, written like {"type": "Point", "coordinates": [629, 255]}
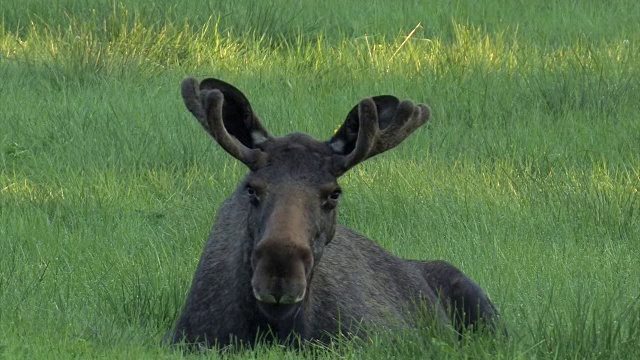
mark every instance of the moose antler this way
{"type": "Point", "coordinates": [381, 123]}
{"type": "Point", "coordinates": [206, 105]}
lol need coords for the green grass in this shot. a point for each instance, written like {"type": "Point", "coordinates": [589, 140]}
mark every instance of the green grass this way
{"type": "Point", "coordinates": [526, 178]}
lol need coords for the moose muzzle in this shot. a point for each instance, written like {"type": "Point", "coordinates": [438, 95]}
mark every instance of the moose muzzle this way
{"type": "Point", "coordinates": [280, 269]}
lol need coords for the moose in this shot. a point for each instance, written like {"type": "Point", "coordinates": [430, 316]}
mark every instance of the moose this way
{"type": "Point", "coordinates": [278, 263]}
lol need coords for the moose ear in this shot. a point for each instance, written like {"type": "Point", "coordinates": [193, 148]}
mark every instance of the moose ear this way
{"type": "Point", "coordinates": [237, 115]}
{"type": "Point", "coordinates": [373, 126]}
{"type": "Point", "coordinates": [225, 113]}
{"type": "Point", "coordinates": [344, 140]}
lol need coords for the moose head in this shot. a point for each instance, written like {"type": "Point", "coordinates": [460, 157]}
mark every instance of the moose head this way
{"type": "Point", "coordinates": [291, 193]}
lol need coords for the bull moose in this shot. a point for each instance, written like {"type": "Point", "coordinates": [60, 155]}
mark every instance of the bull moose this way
{"type": "Point", "coordinates": [277, 262]}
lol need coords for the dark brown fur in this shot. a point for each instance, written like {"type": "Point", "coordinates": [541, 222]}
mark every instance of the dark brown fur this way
{"type": "Point", "coordinates": [276, 261]}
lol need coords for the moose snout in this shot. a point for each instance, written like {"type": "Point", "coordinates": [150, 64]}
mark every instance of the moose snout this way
{"type": "Point", "coordinates": [280, 273]}
{"type": "Point", "coordinates": [279, 296]}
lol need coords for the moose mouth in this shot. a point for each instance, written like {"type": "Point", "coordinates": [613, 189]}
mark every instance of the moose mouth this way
{"type": "Point", "coordinates": [278, 311]}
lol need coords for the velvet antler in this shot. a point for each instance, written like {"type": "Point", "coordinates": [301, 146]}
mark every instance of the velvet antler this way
{"type": "Point", "coordinates": [375, 125]}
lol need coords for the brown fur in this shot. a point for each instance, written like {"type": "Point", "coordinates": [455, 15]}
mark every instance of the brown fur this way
{"type": "Point", "coordinates": [276, 261]}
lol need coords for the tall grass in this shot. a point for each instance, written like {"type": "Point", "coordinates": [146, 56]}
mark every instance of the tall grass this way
{"type": "Point", "coordinates": [526, 178]}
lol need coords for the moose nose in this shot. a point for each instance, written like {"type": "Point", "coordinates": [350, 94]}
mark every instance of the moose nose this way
{"type": "Point", "coordinates": [282, 299]}
{"type": "Point", "coordinates": [280, 270]}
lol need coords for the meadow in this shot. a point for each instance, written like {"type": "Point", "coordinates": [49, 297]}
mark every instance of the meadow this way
{"type": "Point", "coordinates": [526, 177]}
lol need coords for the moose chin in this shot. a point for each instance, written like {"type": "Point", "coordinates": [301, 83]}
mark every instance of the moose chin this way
{"type": "Point", "coordinates": [278, 263]}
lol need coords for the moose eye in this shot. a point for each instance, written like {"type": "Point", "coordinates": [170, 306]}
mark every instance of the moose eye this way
{"type": "Point", "coordinates": [332, 199]}
{"type": "Point", "coordinates": [253, 195]}
{"type": "Point", "coordinates": [335, 195]}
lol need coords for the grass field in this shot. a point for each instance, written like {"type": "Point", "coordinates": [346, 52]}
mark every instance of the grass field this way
{"type": "Point", "coordinates": [526, 178]}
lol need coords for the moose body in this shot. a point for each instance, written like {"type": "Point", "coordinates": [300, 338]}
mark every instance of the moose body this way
{"type": "Point", "coordinates": [277, 262]}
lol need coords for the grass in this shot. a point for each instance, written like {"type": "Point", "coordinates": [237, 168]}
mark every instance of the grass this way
{"type": "Point", "coordinates": [526, 178]}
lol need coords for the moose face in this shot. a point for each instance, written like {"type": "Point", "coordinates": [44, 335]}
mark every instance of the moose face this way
{"type": "Point", "coordinates": [292, 192]}
{"type": "Point", "coordinates": [292, 215]}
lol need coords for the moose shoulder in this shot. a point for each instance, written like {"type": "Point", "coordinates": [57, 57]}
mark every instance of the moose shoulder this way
{"type": "Point", "coordinates": [277, 262]}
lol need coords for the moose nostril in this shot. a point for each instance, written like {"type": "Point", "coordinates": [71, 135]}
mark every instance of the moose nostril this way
{"type": "Point", "coordinates": [265, 298]}
{"type": "Point", "coordinates": [284, 299]}
{"type": "Point", "coordinates": [291, 299]}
